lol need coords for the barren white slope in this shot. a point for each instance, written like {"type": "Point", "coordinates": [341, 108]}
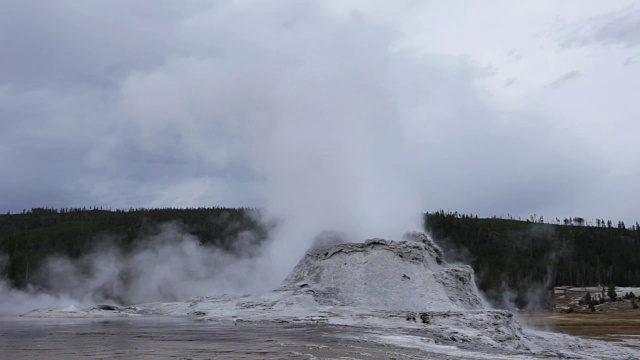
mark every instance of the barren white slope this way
{"type": "Point", "coordinates": [397, 286]}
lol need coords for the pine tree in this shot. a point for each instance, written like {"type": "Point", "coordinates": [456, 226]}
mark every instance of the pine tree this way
{"type": "Point", "coordinates": [611, 293]}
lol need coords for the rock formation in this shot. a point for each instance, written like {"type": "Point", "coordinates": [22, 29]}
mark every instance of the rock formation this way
{"type": "Point", "coordinates": [392, 275]}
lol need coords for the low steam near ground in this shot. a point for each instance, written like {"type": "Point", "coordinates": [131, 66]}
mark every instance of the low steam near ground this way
{"type": "Point", "coordinates": [169, 266]}
{"type": "Point", "coordinates": [172, 265]}
{"type": "Point", "coordinates": [537, 294]}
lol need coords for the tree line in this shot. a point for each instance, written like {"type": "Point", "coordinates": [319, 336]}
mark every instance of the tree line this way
{"type": "Point", "coordinates": [516, 256]}
{"type": "Point", "coordinates": [521, 257]}
{"type": "Point", "coordinates": [29, 237]}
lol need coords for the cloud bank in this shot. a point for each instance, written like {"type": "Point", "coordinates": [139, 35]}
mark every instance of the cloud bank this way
{"type": "Point", "coordinates": [231, 104]}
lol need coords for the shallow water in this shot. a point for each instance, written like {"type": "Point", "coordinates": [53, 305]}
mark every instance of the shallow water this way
{"type": "Point", "coordinates": [161, 338]}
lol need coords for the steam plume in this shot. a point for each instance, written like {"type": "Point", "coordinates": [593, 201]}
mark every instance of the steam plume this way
{"type": "Point", "coordinates": [332, 120]}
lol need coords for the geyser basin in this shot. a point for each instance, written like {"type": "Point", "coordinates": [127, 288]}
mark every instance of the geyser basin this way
{"type": "Point", "coordinates": [400, 292]}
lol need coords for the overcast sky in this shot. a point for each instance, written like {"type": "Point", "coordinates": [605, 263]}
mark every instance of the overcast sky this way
{"type": "Point", "coordinates": [367, 107]}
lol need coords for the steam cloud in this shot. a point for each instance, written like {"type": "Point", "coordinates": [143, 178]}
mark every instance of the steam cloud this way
{"type": "Point", "coordinates": [326, 120]}
{"type": "Point", "coordinates": [169, 266]}
{"type": "Point", "coordinates": [331, 120]}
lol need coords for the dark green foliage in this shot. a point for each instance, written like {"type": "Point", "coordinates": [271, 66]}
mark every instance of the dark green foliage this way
{"type": "Point", "coordinates": [28, 238]}
{"type": "Point", "coordinates": [523, 258]}
{"type": "Point", "coordinates": [634, 304]}
{"type": "Point", "coordinates": [611, 292]}
{"type": "Point", "coordinates": [425, 318]}
{"type": "Point", "coordinates": [592, 306]}
{"type": "Point", "coordinates": [514, 256]}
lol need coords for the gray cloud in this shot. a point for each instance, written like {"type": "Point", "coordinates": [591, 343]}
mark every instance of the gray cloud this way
{"type": "Point", "coordinates": [565, 78]}
{"type": "Point", "coordinates": [632, 60]}
{"type": "Point", "coordinates": [515, 55]}
{"type": "Point", "coordinates": [614, 28]}
{"type": "Point", "coordinates": [509, 82]}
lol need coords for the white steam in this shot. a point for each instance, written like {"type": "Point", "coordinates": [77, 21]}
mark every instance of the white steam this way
{"type": "Point", "coordinates": [15, 302]}
{"type": "Point", "coordinates": [330, 118]}
{"type": "Point", "coordinates": [169, 266]}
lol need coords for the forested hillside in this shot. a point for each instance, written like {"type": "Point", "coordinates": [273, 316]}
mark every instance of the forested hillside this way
{"type": "Point", "coordinates": [26, 239]}
{"type": "Point", "coordinates": [515, 261]}
{"type": "Point", "coordinates": [527, 257]}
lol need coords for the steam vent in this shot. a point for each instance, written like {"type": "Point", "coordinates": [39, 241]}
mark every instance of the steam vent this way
{"type": "Point", "coordinates": [381, 274]}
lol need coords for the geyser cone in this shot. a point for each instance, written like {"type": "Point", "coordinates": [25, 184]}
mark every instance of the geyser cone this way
{"type": "Point", "coordinates": [399, 275]}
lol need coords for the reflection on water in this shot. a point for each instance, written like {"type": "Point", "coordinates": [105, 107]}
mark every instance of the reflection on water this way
{"type": "Point", "coordinates": [151, 338]}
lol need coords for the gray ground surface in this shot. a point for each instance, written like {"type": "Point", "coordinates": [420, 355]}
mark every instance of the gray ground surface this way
{"type": "Point", "coordinates": [376, 300]}
{"type": "Point", "coordinates": [184, 339]}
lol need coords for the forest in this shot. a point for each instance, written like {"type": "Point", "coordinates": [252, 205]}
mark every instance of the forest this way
{"type": "Point", "coordinates": [28, 238]}
{"type": "Point", "coordinates": [527, 258]}
{"type": "Point", "coordinates": [516, 261]}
